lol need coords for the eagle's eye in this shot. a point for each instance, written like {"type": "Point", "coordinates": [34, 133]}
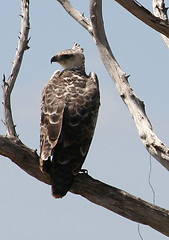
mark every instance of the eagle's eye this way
{"type": "Point", "coordinates": [67, 56]}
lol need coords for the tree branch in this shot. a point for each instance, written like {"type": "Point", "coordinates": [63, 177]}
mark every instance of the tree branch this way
{"type": "Point", "coordinates": [161, 11]}
{"type": "Point", "coordinates": [136, 107]}
{"type": "Point", "coordinates": [26, 158]}
{"type": "Point", "coordinates": [97, 192]}
{"type": "Point", "coordinates": [122, 203]}
{"type": "Point", "coordinates": [111, 198]}
{"type": "Point", "coordinates": [134, 7]}
{"type": "Point", "coordinates": [8, 86]}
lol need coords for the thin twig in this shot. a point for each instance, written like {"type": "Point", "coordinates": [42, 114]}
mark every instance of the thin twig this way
{"type": "Point", "coordinates": [83, 20]}
{"type": "Point", "coordinates": [8, 86]}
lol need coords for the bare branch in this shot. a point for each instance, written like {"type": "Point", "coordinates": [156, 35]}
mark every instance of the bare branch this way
{"type": "Point", "coordinates": [8, 86]}
{"type": "Point", "coordinates": [26, 158]}
{"type": "Point", "coordinates": [153, 144]}
{"type": "Point", "coordinates": [122, 203]}
{"type": "Point", "coordinates": [84, 21]}
{"type": "Point", "coordinates": [111, 198]}
{"type": "Point", "coordinates": [145, 16]}
{"type": "Point", "coordinates": [161, 11]}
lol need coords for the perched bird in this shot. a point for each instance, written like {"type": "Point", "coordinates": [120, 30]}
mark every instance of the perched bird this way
{"type": "Point", "coordinates": [69, 109]}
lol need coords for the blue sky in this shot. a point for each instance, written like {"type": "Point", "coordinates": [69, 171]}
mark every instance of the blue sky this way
{"type": "Point", "coordinates": [117, 156]}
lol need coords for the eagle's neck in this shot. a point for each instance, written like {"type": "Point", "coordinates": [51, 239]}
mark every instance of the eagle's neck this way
{"type": "Point", "coordinates": [75, 69]}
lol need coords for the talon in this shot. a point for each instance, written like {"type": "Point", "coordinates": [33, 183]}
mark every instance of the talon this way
{"type": "Point", "coordinates": [83, 171]}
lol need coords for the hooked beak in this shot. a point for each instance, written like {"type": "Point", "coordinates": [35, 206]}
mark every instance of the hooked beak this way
{"type": "Point", "coordinates": [54, 59]}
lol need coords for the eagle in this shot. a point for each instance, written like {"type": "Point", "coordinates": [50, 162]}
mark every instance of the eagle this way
{"type": "Point", "coordinates": [69, 109]}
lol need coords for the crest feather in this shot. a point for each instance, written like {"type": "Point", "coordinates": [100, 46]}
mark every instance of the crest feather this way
{"type": "Point", "coordinates": [76, 47]}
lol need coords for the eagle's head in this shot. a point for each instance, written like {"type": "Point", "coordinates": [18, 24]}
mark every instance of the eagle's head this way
{"type": "Point", "coordinates": [70, 58]}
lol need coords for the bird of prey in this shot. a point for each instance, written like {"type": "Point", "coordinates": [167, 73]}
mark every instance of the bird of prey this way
{"type": "Point", "coordinates": [69, 109]}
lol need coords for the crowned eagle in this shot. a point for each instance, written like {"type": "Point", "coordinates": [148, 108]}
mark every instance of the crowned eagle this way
{"type": "Point", "coordinates": [69, 109]}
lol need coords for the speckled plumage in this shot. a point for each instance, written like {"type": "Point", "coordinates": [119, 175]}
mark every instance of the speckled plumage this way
{"type": "Point", "coordinates": [69, 109]}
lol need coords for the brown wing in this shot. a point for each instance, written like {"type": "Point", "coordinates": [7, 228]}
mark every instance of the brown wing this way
{"type": "Point", "coordinates": [52, 108]}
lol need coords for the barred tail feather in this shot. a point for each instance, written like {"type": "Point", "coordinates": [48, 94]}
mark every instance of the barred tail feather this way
{"type": "Point", "coordinates": [62, 178]}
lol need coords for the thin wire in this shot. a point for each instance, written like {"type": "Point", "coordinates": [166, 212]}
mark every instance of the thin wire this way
{"type": "Point", "coordinates": [139, 232]}
{"type": "Point", "coordinates": [154, 196]}
{"type": "Point", "coordinates": [149, 180]}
